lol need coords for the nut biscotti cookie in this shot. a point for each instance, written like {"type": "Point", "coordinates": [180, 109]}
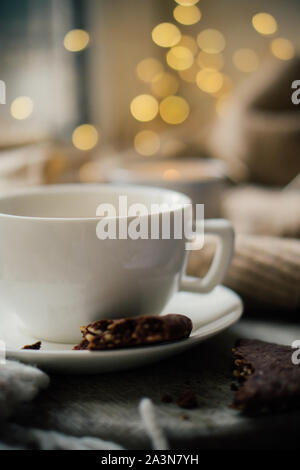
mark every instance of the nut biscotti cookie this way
{"type": "Point", "coordinates": [135, 331]}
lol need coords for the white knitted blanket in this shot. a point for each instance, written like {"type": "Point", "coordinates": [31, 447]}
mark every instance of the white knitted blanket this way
{"type": "Point", "coordinates": [20, 383]}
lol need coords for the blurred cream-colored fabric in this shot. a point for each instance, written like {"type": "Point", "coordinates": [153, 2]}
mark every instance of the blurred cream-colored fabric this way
{"type": "Point", "coordinates": [23, 166]}
{"type": "Point", "coordinates": [258, 133]}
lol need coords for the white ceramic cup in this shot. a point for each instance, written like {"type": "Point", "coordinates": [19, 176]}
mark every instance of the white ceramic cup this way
{"type": "Point", "coordinates": [56, 274]}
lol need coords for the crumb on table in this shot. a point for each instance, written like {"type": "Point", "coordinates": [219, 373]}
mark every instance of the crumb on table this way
{"type": "Point", "coordinates": [187, 400]}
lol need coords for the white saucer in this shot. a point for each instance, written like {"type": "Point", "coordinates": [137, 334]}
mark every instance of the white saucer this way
{"type": "Point", "coordinates": [210, 314]}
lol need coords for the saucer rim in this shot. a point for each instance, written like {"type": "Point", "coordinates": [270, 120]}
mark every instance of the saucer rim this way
{"type": "Point", "coordinates": [196, 337]}
{"type": "Point", "coordinates": [68, 361]}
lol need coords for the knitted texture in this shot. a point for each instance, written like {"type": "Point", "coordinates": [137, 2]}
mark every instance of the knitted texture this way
{"type": "Point", "coordinates": [265, 270]}
{"type": "Point", "coordinates": [94, 411]}
{"type": "Point", "coordinates": [261, 211]}
{"type": "Point", "coordinates": [18, 384]}
{"type": "Point", "coordinates": [51, 440]}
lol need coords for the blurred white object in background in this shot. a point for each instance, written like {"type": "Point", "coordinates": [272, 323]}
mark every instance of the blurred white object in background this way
{"type": "Point", "coordinates": [23, 166]}
{"type": "Point", "coordinates": [259, 133]}
{"type": "Point", "coordinates": [203, 180]}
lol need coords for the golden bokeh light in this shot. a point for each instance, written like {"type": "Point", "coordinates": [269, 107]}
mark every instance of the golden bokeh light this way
{"type": "Point", "coordinates": [226, 87]}
{"type": "Point", "coordinates": [76, 40]}
{"type": "Point", "coordinates": [85, 137]}
{"type": "Point", "coordinates": [147, 143]}
{"type": "Point", "coordinates": [147, 69]}
{"type": "Point", "coordinates": [187, 3]}
{"type": "Point", "coordinates": [171, 174]}
{"type": "Point", "coordinates": [55, 166]}
{"type": "Point", "coordinates": [189, 75]}
{"type": "Point", "coordinates": [174, 110]}
{"type": "Point", "coordinates": [210, 61]}
{"type": "Point", "coordinates": [211, 41]}
{"type": "Point", "coordinates": [282, 48]}
{"type": "Point", "coordinates": [187, 15]}
{"type": "Point", "coordinates": [264, 23]}
{"type": "Point", "coordinates": [164, 84]}
{"type": "Point", "coordinates": [209, 80]}
{"type": "Point", "coordinates": [144, 107]}
{"type": "Point", "coordinates": [180, 58]}
{"type": "Point", "coordinates": [245, 60]}
{"type": "Point", "coordinates": [90, 172]}
{"type": "Point", "coordinates": [189, 42]}
{"type": "Point", "coordinates": [166, 35]}
{"type": "Point", "coordinates": [21, 108]}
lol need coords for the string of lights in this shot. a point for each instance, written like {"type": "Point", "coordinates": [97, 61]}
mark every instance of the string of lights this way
{"type": "Point", "coordinates": [196, 60]}
{"type": "Point", "coordinates": [192, 59]}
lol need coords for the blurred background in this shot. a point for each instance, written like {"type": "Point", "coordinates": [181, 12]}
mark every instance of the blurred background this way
{"type": "Point", "coordinates": [193, 95]}
{"type": "Point", "coordinates": [99, 78]}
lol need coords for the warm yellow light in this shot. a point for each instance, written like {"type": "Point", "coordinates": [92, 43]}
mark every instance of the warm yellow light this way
{"type": "Point", "coordinates": [144, 107]}
{"type": "Point", "coordinates": [245, 60]}
{"type": "Point", "coordinates": [210, 61]}
{"type": "Point", "coordinates": [164, 84]}
{"type": "Point", "coordinates": [21, 107]}
{"type": "Point", "coordinates": [209, 80]}
{"type": "Point", "coordinates": [171, 174]}
{"type": "Point", "coordinates": [55, 166]}
{"type": "Point", "coordinates": [189, 42]}
{"type": "Point", "coordinates": [211, 41]}
{"type": "Point", "coordinates": [85, 137]}
{"type": "Point", "coordinates": [166, 35]}
{"type": "Point", "coordinates": [147, 143]}
{"type": "Point", "coordinates": [264, 23]}
{"type": "Point", "coordinates": [147, 69]}
{"type": "Point", "coordinates": [90, 172]}
{"type": "Point", "coordinates": [76, 40]}
{"type": "Point", "coordinates": [180, 58]}
{"type": "Point", "coordinates": [174, 109]}
{"type": "Point", "coordinates": [282, 48]}
{"type": "Point", "coordinates": [187, 2]}
{"type": "Point", "coordinates": [189, 75]}
{"type": "Point", "coordinates": [187, 15]}
{"type": "Point", "coordinates": [221, 106]}
{"type": "Point", "coordinates": [226, 87]}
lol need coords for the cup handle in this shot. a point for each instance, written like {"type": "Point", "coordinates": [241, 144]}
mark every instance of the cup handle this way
{"type": "Point", "coordinates": [224, 231]}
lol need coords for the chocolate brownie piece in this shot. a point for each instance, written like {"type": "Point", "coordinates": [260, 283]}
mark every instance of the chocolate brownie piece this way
{"type": "Point", "coordinates": [269, 381]}
{"type": "Point", "coordinates": [137, 331]}
{"type": "Point", "coordinates": [36, 346]}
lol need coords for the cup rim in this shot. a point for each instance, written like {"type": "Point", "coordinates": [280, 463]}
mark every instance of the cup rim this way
{"type": "Point", "coordinates": [182, 199]}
